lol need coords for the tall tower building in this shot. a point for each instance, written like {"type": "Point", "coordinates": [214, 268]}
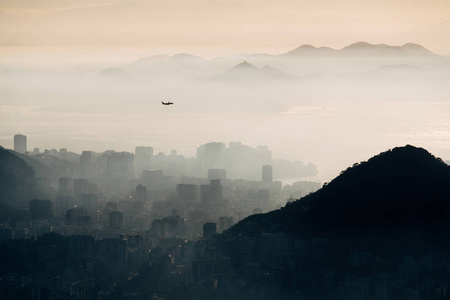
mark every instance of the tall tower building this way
{"type": "Point", "coordinates": [120, 164]}
{"type": "Point", "coordinates": [209, 229]}
{"type": "Point", "coordinates": [216, 190]}
{"type": "Point", "coordinates": [115, 220]}
{"type": "Point", "coordinates": [80, 187]}
{"type": "Point", "coordinates": [217, 174]}
{"type": "Point", "coordinates": [187, 192]}
{"type": "Point", "coordinates": [267, 173]}
{"type": "Point", "coordinates": [86, 159]}
{"type": "Point", "coordinates": [142, 159]}
{"type": "Point", "coordinates": [20, 143]}
{"type": "Point", "coordinates": [141, 193]}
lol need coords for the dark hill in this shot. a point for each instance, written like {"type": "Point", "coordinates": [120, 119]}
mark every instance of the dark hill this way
{"type": "Point", "coordinates": [375, 220]}
{"type": "Point", "coordinates": [16, 179]}
{"type": "Point", "coordinates": [40, 168]}
{"type": "Point", "coordinates": [405, 188]}
{"type": "Point", "coordinates": [18, 185]}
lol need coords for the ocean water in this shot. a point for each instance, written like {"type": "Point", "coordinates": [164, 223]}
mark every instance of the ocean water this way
{"type": "Point", "coordinates": [331, 135]}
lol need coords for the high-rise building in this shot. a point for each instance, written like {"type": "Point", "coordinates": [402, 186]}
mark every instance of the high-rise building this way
{"type": "Point", "coordinates": [63, 153]}
{"type": "Point", "coordinates": [152, 178]}
{"type": "Point", "coordinates": [143, 159]}
{"type": "Point", "coordinates": [209, 229]}
{"type": "Point", "coordinates": [216, 190]}
{"type": "Point", "coordinates": [115, 220]}
{"type": "Point", "coordinates": [141, 193]}
{"type": "Point", "coordinates": [63, 203]}
{"type": "Point", "coordinates": [66, 186]}
{"type": "Point", "coordinates": [88, 201]}
{"type": "Point", "coordinates": [120, 164]}
{"type": "Point", "coordinates": [80, 186]}
{"type": "Point", "coordinates": [187, 192]}
{"type": "Point", "coordinates": [211, 193]}
{"type": "Point", "coordinates": [40, 209]}
{"type": "Point", "coordinates": [20, 143]}
{"type": "Point", "coordinates": [74, 215]}
{"type": "Point", "coordinates": [225, 223]}
{"type": "Point", "coordinates": [80, 244]}
{"type": "Point", "coordinates": [86, 159]}
{"type": "Point", "coordinates": [210, 156]}
{"type": "Point", "coordinates": [205, 193]}
{"type": "Point", "coordinates": [217, 174]}
{"type": "Point", "coordinates": [267, 173]}
{"type": "Point", "coordinates": [115, 251]}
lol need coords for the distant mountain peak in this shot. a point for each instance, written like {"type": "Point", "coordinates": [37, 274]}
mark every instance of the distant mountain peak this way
{"type": "Point", "coordinates": [306, 46]}
{"type": "Point", "coordinates": [367, 49]}
{"type": "Point", "coordinates": [245, 65]}
{"type": "Point", "coordinates": [360, 44]}
{"type": "Point", "coordinates": [113, 73]}
{"type": "Point", "coordinates": [247, 71]}
{"type": "Point", "coordinates": [413, 45]}
{"type": "Point", "coordinates": [267, 67]}
{"type": "Point", "coordinates": [360, 48]}
{"type": "Point", "coordinates": [416, 49]}
{"type": "Point", "coordinates": [310, 50]}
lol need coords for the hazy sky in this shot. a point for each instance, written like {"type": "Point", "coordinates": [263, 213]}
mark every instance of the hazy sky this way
{"type": "Point", "coordinates": [218, 27]}
{"type": "Point", "coordinates": [311, 126]}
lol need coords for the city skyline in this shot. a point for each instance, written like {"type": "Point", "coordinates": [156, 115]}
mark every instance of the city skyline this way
{"type": "Point", "coordinates": [224, 149]}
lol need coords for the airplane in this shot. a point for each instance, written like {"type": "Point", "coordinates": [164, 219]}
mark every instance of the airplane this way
{"type": "Point", "coordinates": [167, 103]}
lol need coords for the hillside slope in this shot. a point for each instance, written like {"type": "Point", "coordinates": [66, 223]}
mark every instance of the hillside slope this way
{"type": "Point", "coordinates": [405, 188]}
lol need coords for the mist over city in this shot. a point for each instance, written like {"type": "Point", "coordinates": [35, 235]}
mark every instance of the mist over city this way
{"type": "Point", "coordinates": [224, 150]}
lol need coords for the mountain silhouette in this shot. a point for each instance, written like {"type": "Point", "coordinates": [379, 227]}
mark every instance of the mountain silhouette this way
{"type": "Point", "coordinates": [416, 49]}
{"type": "Point", "coordinates": [308, 50]}
{"type": "Point", "coordinates": [248, 72]}
{"type": "Point", "coordinates": [405, 188]}
{"type": "Point", "coordinates": [151, 59]}
{"type": "Point", "coordinates": [360, 49]}
{"type": "Point", "coordinates": [367, 49]}
{"type": "Point", "coordinates": [243, 66]}
{"type": "Point", "coordinates": [113, 73]}
{"type": "Point", "coordinates": [181, 65]}
{"type": "Point", "coordinates": [187, 57]}
{"type": "Point", "coordinates": [16, 179]}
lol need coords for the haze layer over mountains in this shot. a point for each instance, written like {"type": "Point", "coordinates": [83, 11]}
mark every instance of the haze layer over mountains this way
{"type": "Point", "coordinates": [355, 101]}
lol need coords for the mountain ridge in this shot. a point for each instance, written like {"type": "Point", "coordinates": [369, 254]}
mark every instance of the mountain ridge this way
{"type": "Point", "coordinates": [247, 71]}
{"type": "Point", "coordinates": [399, 188]}
{"type": "Point", "coordinates": [361, 48]}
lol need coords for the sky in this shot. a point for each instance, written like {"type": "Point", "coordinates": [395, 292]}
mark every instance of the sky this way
{"type": "Point", "coordinates": [69, 35]}
{"type": "Point", "coordinates": [218, 27]}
